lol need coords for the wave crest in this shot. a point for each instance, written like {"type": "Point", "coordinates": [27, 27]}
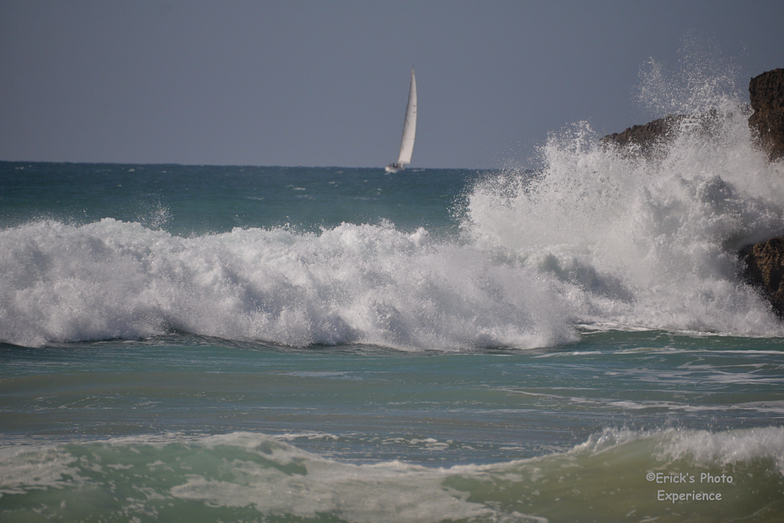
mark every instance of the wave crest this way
{"type": "Point", "coordinates": [642, 241]}
{"type": "Point", "coordinates": [349, 284]}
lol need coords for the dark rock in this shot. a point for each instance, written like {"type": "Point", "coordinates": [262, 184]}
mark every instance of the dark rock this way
{"type": "Point", "coordinates": [766, 93]}
{"type": "Point", "coordinates": [644, 139]}
{"type": "Point", "coordinates": [765, 270]}
{"type": "Point", "coordinates": [767, 99]}
{"type": "Point", "coordinates": [765, 261]}
{"type": "Point", "coordinates": [648, 140]}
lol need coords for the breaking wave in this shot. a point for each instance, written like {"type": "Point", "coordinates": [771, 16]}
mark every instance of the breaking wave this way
{"type": "Point", "coordinates": [645, 238]}
{"type": "Point", "coordinates": [350, 284]}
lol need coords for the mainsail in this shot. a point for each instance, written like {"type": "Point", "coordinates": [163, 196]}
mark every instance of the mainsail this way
{"type": "Point", "coordinates": [409, 129]}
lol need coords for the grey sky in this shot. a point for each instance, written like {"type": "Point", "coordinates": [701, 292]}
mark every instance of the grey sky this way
{"type": "Point", "coordinates": [324, 83]}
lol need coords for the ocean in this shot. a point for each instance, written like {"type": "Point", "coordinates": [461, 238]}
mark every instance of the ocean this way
{"type": "Point", "coordinates": [566, 343]}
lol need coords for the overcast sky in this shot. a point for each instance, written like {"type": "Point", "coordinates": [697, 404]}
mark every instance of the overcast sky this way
{"type": "Point", "coordinates": [324, 83]}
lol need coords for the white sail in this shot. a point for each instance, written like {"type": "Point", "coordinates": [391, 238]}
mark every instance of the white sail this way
{"type": "Point", "coordinates": [409, 126]}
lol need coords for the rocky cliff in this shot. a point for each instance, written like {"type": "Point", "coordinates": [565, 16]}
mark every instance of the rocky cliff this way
{"type": "Point", "coordinates": [765, 270]}
{"type": "Point", "coordinates": [644, 139]}
{"type": "Point", "coordinates": [767, 99]}
{"type": "Point", "coordinates": [764, 261]}
{"type": "Point", "coordinates": [766, 93]}
{"type": "Point", "coordinates": [647, 140]}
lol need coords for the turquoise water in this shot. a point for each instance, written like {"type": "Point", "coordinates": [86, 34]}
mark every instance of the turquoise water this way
{"type": "Point", "coordinates": [371, 404]}
{"type": "Point", "coordinates": [183, 428]}
{"type": "Point", "coordinates": [195, 200]}
{"type": "Point", "coordinates": [197, 343]}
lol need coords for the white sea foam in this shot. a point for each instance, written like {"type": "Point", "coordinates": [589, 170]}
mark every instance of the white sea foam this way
{"type": "Point", "coordinates": [701, 448]}
{"type": "Point", "coordinates": [391, 491]}
{"type": "Point", "coordinates": [722, 448]}
{"type": "Point", "coordinates": [36, 467]}
{"type": "Point", "coordinates": [644, 241]}
{"type": "Point", "coordinates": [352, 283]}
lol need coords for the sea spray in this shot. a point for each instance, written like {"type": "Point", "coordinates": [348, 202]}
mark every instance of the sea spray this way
{"type": "Point", "coordinates": [702, 80]}
{"type": "Point", "coordinates": [642, 240]}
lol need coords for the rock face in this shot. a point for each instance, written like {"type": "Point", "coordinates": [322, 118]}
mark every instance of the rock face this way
{"type": "Point", "coordinates": [765, 270]}
{"type": "Point", "coordinates": [647, 140]}
{"type": "Point", "coordinates": [644, 139]}
{"type": "Point", "coordinates": [766, 92]}
{"type": "Point", "coordinates": [765, 261]}
{"type": "Point", "coordinates": [767, 99]}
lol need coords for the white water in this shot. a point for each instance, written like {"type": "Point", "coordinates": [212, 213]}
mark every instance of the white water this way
{"type": "Point", "coordinates": [353, 283]}
{"type": "Point", "coordinates": [639, 242]}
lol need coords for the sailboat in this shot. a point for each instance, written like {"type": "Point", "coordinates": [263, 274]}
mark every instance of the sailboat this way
{"type": "Point", "coordinates": [409, 130]}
